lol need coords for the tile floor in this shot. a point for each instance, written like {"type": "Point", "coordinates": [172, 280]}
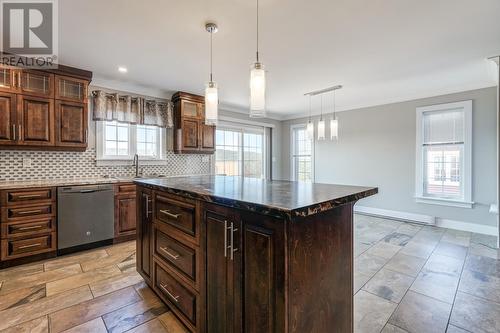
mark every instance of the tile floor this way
{"type": "Point", "coordinates": [423, 279]}
{"type": "Point", "coordinates": [408, 278]}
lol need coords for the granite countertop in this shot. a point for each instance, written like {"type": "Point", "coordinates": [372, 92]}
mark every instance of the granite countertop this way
{"type": "Point", "coordinates": [278, 198]}
{"type": "Point", "coordinates": [8, 185]}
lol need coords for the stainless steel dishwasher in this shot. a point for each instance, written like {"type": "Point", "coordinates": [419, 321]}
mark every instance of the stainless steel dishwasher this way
{"type": "Point", "coordinates": [85, 217]}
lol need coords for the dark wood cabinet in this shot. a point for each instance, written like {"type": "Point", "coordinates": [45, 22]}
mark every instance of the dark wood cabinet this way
{"type": "Point", "coordinates": [51, 111]}
{"type": "Point", "coordinates": [145, 233]}
{"type": "Point", "coordinates": [8, 123]}
{"type": "Point", "coordinates": [71, 124]}
{"type": "Point", "coordinates": [224, 269]}
{"type": "Point", "coordinates": [191, 134]}
{"type": "Point", "coordinates": [35, 117]}
{"type": "Point", "coordinates": [125, 212]}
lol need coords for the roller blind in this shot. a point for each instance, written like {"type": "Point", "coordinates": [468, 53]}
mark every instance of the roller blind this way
{"type": "Point", "coordinates": [446, 127]}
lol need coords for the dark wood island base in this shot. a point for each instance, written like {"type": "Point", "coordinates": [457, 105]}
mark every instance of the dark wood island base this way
{"type": "Point", "coordinates": [229, 254]}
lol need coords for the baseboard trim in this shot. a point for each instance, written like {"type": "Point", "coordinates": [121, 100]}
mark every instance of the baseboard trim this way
{"type": "Point", "coordinates": [427, 219]}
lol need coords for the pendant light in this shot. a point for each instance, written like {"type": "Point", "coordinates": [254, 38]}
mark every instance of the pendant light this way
{"type": "Point", "coordinates": [310, 124]}
{"type": "Point", "coordinates": [334, 123]}
{"type": "Point", "coordinates": [257, 83]}
{"type": "Point", "coordinates": [211, 91]}
{"type": "Point", "coordinates": [321, 123]}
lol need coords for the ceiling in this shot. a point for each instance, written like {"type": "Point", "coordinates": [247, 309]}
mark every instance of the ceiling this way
{"type": "Point", "coordinates": [381, 51]}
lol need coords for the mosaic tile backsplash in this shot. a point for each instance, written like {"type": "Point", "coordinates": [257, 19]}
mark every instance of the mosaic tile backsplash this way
{"type": "Point", "coordinates": [60, 165]}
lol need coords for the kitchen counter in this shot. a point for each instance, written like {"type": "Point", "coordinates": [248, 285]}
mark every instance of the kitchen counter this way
{"type": "Point", "coordinates": [277, 198]}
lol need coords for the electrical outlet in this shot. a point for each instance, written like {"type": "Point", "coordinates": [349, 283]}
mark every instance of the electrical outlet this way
{"type": "Point", "coordinates": [26, 162]}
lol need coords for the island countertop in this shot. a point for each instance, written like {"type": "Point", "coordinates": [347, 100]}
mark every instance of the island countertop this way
{"type": "Point", "coordinates": [274, 197]}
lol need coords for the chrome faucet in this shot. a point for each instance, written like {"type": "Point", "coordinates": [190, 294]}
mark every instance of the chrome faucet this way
{"type": "Point", "coordinates": [136, 164]}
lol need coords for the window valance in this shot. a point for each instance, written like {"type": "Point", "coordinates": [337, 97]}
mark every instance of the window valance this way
{"type": "Point", "coordinates": [133, 110]}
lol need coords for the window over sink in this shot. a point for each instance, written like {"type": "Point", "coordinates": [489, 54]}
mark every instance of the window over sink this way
{"type": "Point", "coordinates": [121, 141]}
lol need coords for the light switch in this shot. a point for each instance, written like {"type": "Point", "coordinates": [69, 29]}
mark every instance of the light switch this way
{"type": "Point", "coordinates": [26, 162]}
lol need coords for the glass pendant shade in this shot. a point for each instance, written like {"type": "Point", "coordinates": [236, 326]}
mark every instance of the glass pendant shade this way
{"type": "Point", "coordinates": [334, 129]}
{"type": "Point", "coordinates": [321, 129]}
{"type": "Point", "coordinates": [211, 103]}
{"type": "Point", "coordinates": [257, 91]}
{"type": "Point", "coordinates": [310, 130]}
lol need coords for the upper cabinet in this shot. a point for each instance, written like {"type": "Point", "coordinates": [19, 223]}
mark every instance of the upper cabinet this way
{"type": "Point", "coordinates": [191, 135]}
{"type": "Point", "coordinates": [43, 109]}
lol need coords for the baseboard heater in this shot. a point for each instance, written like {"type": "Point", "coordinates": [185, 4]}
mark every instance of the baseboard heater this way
{"type": "Point", "coordinates": [395, 215]}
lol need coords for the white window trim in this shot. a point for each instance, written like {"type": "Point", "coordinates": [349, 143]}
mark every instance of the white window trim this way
{"type": "Point", "coordinates": [105, 160]}
{"type": "Point", "coordinates": [292, 150]}
{"type": "Point", "coordinates": [467, 163]}
{"type": "Point", "coordinates": [245, 127]}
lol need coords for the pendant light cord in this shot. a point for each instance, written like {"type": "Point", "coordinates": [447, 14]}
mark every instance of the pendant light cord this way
{"type": "Point", "coordinates": [321, 116]}
{"type": "Point", "coordinates": [310, 103]}
{"type": "Point", "coordinates": [211, 54]}
{"type": "Point", "coordinates": [334, 101]}
{"type": "Point", "coordinates": [257, 30]}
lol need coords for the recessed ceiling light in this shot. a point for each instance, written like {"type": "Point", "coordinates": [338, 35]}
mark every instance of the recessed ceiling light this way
{"type": "Point", "coordinates": [122, 69]}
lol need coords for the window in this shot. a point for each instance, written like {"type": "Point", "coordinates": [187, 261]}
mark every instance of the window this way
{"type": "Point", "coordinates": [121, 141]}
{"type": "Point", "coordinates": [444, 163]}
{"type": "Point", "coordinates": [240, 151]}
{"type": "Point", "coordinates": [302, 154]}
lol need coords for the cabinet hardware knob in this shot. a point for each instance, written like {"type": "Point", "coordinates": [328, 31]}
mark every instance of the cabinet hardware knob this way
{"type": "Point", "coordinates": [175, 298]}
{"type": "Point", "coordinates": [29, 246]}
{"type": "Point", "coordinates": [167, 212]}
{"type": "Point", "coordinates": [174, 255]}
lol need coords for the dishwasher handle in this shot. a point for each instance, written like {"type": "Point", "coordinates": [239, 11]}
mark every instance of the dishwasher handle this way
{"type": "Point", "coordinates": [85, 189]}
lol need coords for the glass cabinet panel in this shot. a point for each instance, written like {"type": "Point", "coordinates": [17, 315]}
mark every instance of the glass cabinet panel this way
{"type": "Point", "coordinates": [6, 78]}
{"type": "Point", "coordinates": [36, 83]}
{"type": "Point", "coordinates": [190, 109]}
{"type": "Point", "coordinates": [71, 89]}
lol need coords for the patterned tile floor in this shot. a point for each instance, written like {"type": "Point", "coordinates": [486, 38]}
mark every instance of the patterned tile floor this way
{"type": "Point", "coordinates": [423, 279]}
{"type": "Point", "coordinates": [408, 278]}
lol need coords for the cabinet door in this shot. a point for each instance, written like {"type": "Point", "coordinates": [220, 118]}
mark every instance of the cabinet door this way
{"type": "Point", "coordinates": [71, 89]}
{"type": "Point", "coordinates": [8, 125]}
{"type": "Point", "coordinates": [71, 121]}
{"type": "Point", "coordinates": [191, 109]}
{"type": "Point", "coordinates": [8, 79]}
{"type": "Point", "coordinates": [144, 233]}
{"type": "Point", "coordinates": [125, 215]}
{"type": "Point", "coordinates": [223, 270]}
{"type": "Point", "coordinates": [190, 134]}
{"type": "Point", "coordinates": [207, 136]}
{"type": "Point", "coordinates": [35, 117]}
{"type": "Point", "coordinates": [36, 83]}
{"type": "Point", "coordinates": [264, 272]}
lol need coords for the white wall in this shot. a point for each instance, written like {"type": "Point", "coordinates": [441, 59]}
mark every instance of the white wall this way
{"type": "Point", "coordinates": [376, 147]}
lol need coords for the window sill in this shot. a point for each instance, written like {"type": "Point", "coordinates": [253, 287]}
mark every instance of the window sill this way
{"type": "Point", "coordinates": [444, 202]}
{"type": "Point", "coordinates": [129, 162]}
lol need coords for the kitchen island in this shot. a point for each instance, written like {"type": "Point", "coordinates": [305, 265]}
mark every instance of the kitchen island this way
{"type": "Point", "coordinates": [232, 254]}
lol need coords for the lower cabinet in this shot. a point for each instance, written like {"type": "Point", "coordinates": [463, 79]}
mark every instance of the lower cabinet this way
{"type": "Point", "coordinates": [232, 280]}
{"type": "Point", "coordinates": [125, 212]}
{"type": "Point", "coordinates": [145, 234]}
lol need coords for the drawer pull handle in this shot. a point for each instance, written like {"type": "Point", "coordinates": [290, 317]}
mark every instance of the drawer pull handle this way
{"type": "Point", "coordinates": [30, 212]}
{"type": "Point", "coordinates": [166, 212]}
{"type": "Point", "coordinates": [30, 196]}
{"type": "Point", "coordinates": [29, 246]}
{"type": "Point", "coordinates": [30, 228]}
{"type": "Point", "coordinates": [175, 298]}
{"type": "Point", "coordinates": [174, 255]}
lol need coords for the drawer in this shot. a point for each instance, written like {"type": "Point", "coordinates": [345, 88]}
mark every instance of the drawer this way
{"type": "Point", "coordinates": [32, 196]}
{"type": "Point", "coordinates": [125, 188]}
{"type": "Point", "coordinates": [178, 255]}
{"type": "Point", "coordinates": [177, 214]}
{"type": "Point", "coordinates": [28, 228]}
{"type": "Point", "coordinates": [174, 292]}
{"type": "Point", "coordinates": [17, 248]}
{"type": "Point", "coordinates": [11, 214]}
